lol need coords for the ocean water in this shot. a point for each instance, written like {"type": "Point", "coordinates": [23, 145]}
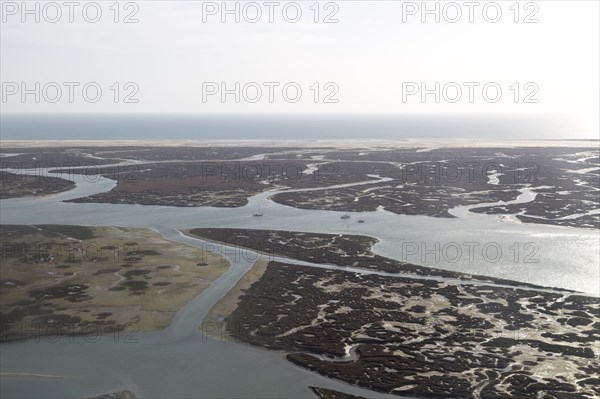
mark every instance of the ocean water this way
{"type": "Point", "coordinates": [30, 126]}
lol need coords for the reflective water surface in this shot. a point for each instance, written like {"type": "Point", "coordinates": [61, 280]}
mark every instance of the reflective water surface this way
{"type": "Point", "coordinates": [180, 362]}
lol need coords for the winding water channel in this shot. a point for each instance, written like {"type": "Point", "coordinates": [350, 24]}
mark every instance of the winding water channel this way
{"type": "Point", "coordinates": [180, 362]}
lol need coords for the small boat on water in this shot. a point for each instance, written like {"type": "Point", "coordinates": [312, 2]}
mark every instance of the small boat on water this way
{"type": "Point", "coordinates": [360, 221]}
{"type": "Point", "coordinates": [258, 212]}
{"type": "Point", "coordinates": [345, 216]}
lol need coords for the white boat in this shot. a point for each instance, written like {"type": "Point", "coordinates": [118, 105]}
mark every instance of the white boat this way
{"type": "Point", "coordinates": [345, 216]}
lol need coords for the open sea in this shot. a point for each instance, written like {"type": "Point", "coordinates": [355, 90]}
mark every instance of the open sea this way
{"type": "Point", "coordinates": [29, 126]}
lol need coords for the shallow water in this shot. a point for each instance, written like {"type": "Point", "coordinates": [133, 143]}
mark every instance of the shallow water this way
{"type": "Point", "coordinates": [180, 362]}
{"type": "Point", "coordinates": [177, 362]}
{"type": "Point", "coordinates": [547, 255]}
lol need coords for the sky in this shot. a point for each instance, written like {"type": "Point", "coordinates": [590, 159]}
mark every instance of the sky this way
{"type": "Point", "coordinates": [370, 57]}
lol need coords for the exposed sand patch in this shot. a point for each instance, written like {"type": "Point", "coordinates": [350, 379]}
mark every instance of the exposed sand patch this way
{"type": "Point", "coordinates": [217, 315]}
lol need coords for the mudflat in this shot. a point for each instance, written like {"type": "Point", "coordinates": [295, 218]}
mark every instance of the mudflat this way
{"type": "Point", "coordinates": [90, 280]}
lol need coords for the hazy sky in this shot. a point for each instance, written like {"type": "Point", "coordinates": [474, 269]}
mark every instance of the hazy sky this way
{"type": "Point", "coordinates": [369, 55]}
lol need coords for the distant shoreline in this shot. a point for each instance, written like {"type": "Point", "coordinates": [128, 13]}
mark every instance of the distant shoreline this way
{"type": "Point", "coordinates": [309, 143]}
{"type": "Point", "coordinates": [29, 375]}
